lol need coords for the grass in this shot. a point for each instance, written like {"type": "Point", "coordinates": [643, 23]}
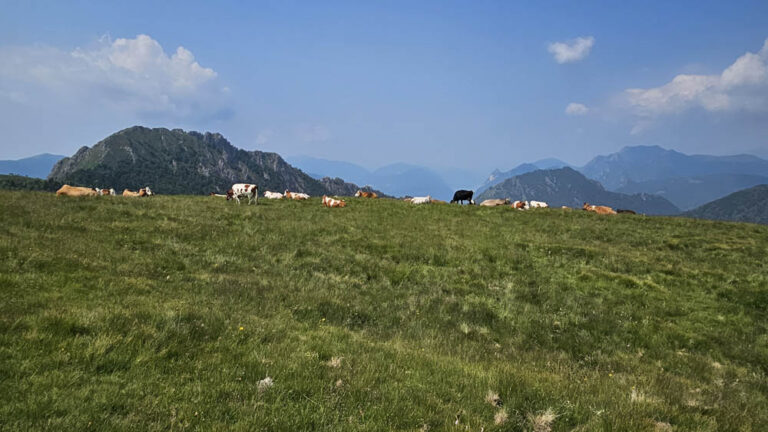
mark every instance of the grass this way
{"type": "Point", "coordinates": [170, 313]}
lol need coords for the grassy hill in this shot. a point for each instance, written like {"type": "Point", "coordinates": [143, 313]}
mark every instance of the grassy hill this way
{"type": "Point", "coordinates": [168, 313]}
{"type": "Point", "coordinates": [748, 205]}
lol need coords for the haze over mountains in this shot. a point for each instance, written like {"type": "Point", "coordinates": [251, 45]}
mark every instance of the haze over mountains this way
{"type": "Point", "coordinates": [35, 166]}
{"type": "Point", "coordinates": [748, 205]}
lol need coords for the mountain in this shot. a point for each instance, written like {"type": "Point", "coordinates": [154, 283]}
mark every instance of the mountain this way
{"type": "Point", "coordinates": [690, 192]}
{"type": "Point", "coordinates": [497, 176]}
{"type": "Point", "coordinates": [179, 162]}
{"type": "Point", "coordinates": [566, 186]}
{"type": "Point", "coordinates": [397, 179]}
{"type": "Point", "coordinates": [36, 166]}
{"type": "Point", "coordinates": [749, 205]}
{"type": "Point", "coordinates": [644, 163]}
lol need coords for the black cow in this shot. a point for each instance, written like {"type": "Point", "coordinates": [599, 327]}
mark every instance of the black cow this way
{"type": "Point", "coordinates": [625, 211]}
{"type": "Point", "coordinates": [462, 195]}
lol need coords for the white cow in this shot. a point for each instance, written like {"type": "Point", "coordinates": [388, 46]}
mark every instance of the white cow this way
{"type": "Point", "coordinates": [421, 200]}
{"type": "Point", "coordinates": [538, 204]}
{"type": "Point", "coordinates": [273, 195]}
{"type": "Point", "coordinates": [239, 190]}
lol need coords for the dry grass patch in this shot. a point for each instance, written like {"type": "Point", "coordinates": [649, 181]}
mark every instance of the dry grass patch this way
{"type": "Point", "coordinates": [542, 422]}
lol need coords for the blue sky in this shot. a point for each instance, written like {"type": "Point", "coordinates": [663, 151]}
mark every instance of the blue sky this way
{"type": "Point", "coordinates": [471, 84]}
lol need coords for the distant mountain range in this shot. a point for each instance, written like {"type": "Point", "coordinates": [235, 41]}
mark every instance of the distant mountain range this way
{"type": "Point", "coordinates": [685, 180]}
{"type": "Point", "coordinates": [397, 179]}
{"type": "Point", "coordinates": [749, 205]}
{"type": "Point", "coordinates": [36, 166]}
{"type": "Point", "coordinates": [648, 163]}
{"type": "Point", "coordinates": [568, 187]}
{"type": "Point", "coordinates": [179, 162]}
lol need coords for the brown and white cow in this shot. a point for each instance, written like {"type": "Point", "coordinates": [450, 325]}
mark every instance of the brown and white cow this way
{"type": "Point", "coordinates": [141, 193]}
{"type": "Point", "coordinates": [363, 194]}
{"type": "Point", "coordinates": [330, 202]}
{"type": "Point", "coordinates": [68, 190]}
{"type": "Point", "coordinates": [295, 195]}
{"type": "Point", "coordinates": [239, 190]}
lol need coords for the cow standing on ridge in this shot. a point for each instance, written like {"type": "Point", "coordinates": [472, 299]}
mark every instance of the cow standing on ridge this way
{"type": "Point", "coordinates": [462, 195]}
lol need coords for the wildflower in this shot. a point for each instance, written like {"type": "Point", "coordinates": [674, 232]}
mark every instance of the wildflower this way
{"type": "Point", "coordinates": [265, 384]}
{"type": "Point", "coordinates": [241, 328]}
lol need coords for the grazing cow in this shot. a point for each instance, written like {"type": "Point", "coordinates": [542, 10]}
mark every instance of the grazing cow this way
{"type": "Point", "coordinates": [330, 202]}
{"type": "Point", "coordinates": [603, 210]}
{"type": "Point", "coordinates": [520, 205]}
{"type": "Point", "coordinates": [494, 202]}
{"type": "Point", "coordinates": [273, 195]}
{"type": "Point", "coordinates": [214, 194]}
{"type": "Point", "coordinates": [239, 190]}
{"type": "Point", "coordinates": [363, 194]}
{"type": "Point", "coordinates": [68, 190]}
{"type": "Point", "coordinates": [421, 200]}
{"type": "Point", "coordinates": [625, 211]}
{"type": "Point", "coordinates": [538, 204]}
{"type": "Point", "coordinates": [462, 195]}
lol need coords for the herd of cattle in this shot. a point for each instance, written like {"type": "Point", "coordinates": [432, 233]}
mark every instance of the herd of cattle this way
{"type": "Point", "coordinates": [251, 191]}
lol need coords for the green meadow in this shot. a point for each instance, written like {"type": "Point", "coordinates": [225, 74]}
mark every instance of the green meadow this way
{"type": "Point", "coordinates": [192, 313]}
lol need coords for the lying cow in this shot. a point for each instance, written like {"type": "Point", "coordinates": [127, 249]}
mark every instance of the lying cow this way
{"type": "Point", "coordinates": [625, 211]}
{"type": "Point", "coordinates": [295, 195]}
{"type": "Point", "coordinates": [603, 210]}
{"type": "Point", "coordinates": [68, 190]}
{"type": "Point", "coordinates": [214, 194]}
{"type": "Point", "coordinates": [273, 195]}
{"type": "Point", "coordinates": [538, 204]}
{"type": "Point", "coordinates": [363, 194]}
{"type": "Point", "coordinates": [462, 195]}
{"type": "Point", "coordinates": [330, 202]}
{"type": "Point", "coordinates": [241, 190]}
{"type": "Point", "coordinates": [141, 193]}
{"type": "Point", "coordinates": [520, 205]}
{"type": "Point", "coordinates": [494, 202]}
{"type": "Point", "coordinates": [421, 200]}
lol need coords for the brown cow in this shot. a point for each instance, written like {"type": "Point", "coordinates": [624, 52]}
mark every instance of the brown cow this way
{"type": "Point", "coordinates": [603, 210]}
{"type": "Point", "coordinates": [129, 193]}
{"type": "Point", "coordinates": [68, 190]}
{"type": "Point", "coordinates": [364, 194]}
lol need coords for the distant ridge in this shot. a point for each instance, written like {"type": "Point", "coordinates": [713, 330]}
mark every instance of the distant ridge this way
{"type": "Point", "coordinates": [35, 166]}
{"type": "Point", "coordinates": [179, 162]}
{"type": "Point", "coordinates": [748, 205]}
{"type": "Point", "coordinates": [568, 187]}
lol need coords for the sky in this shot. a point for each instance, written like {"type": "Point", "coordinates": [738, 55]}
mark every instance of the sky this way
{"type": "Point", "coordinates": [476, 85]}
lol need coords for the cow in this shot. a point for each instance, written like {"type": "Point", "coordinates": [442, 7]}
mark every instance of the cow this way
{"type": "Point", "coordinates": [437, 201]}
{"type": "Point", "coordinates": [538, 204]}
{"type": "Point", "coordinates": [68, 190]}
{"type": "Point", "coordinates": [239, 190]}
{"type": "Point", "coordinates": [462, 195]}
{"type": "Point", "coordinates": [214, 194]}
{"type": "Point", "coordinates": [520, 205]}
{"type": "Point", "coordinates": [295, 195]}
{"type": "Point", "coordinates": [141, 193]}
{"type": "Point", "coordinates": [604, 210]}
{"type": "Point", "coordinates": [625, 211]}
{"type": "Point", "coordinates": [363, 194]}
{"type": "Point", "coordinates": [421, 200]}
{"type": "Point", "coordinates": [494, 202]}
{"type": "Point", "coordinates": [330, 202]}
{"type": "Point", "coordinates": [273, 195]}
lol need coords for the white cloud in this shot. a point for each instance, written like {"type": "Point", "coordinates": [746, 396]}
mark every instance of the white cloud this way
{"type": "Point", "coordinates": [134, 75]}
{"type": "Point", "coordinates": [572, 50]}
{"type": "Point", "coordinates": [576, 109]}
{"type": "Point", "coordinates": [741, 86]}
